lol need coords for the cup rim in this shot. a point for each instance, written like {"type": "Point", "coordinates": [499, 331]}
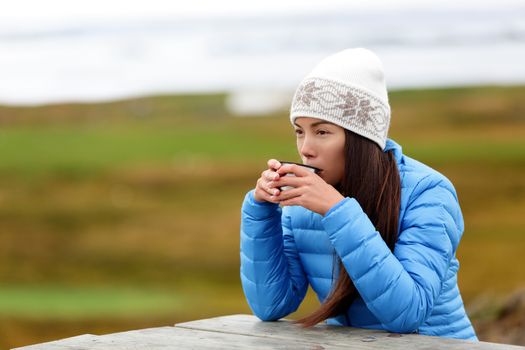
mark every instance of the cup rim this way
{"type": "Point", "coordinates": [316, 170]}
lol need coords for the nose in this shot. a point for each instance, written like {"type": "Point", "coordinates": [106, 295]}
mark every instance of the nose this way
{"type": "Point", "coordinates": [306, 148]}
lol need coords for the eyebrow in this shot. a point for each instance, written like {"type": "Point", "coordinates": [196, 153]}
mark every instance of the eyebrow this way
{"type": "Point", "coordinates": [314, 124]}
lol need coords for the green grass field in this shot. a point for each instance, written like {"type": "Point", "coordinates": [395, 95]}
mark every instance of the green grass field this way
{"type": "Point", "coordinates": [126, 214]}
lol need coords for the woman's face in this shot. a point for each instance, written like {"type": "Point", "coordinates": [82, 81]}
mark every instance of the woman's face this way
{"type": "Point", "coordinates": [321, 144]}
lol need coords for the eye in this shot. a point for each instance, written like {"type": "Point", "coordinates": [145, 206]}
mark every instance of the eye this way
{"type": "Point", "coordinates": [298, 131]}
{"type": "Point", "coordinates": [322, 132]}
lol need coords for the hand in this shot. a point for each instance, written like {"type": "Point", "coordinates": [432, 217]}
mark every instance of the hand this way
{"type": "Point", "coordinates": [310, 192]}
{"type": "Point", "coordinates": [263, 192]}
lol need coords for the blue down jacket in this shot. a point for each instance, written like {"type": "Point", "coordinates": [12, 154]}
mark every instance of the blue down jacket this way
{"type": "Point", "coordinates": [284, 250]}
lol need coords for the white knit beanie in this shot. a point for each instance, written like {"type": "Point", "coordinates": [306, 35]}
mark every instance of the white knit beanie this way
{"type": "Point", "coordinates": [348, 89]}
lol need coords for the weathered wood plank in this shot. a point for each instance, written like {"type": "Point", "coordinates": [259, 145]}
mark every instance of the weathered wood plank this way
{"type": "Point", "coordinates": [333, 335]}
{"type": "Point", "coordinates": [178, 338]}
{"type": "Point", "coordinates": [67, 343]}
{"type": "Point", "coordinates": [247, 332]}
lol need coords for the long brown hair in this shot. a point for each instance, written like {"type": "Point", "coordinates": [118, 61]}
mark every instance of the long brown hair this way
{"type": "Point", "coordinates": [372, 178]}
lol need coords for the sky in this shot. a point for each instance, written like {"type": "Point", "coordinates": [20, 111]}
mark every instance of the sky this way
{"type": "Point", "coordinates": [58, 50]}
{"type": "Point", "coordinates": [39, 10]}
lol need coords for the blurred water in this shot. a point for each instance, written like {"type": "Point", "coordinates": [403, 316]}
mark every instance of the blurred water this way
{"type": "Point", "coordinates": [100, 60]}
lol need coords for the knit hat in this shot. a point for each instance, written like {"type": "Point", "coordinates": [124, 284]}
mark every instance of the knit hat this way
{"type": "Point", "coordinates": [348, 89]}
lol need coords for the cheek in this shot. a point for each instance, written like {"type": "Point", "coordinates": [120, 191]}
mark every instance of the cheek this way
{"type": "Point", "coordinates": [337, 162]}
{"type": "Point", "coordinates": [336, 152]}
{"type": "Point", "coordinates": [337, 166]}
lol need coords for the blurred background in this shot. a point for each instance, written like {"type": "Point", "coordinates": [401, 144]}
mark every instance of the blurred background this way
{"type": "Point", "coordinates": [131, 131]}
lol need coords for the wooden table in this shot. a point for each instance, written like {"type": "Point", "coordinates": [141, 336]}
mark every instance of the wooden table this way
{"type": "Point", "coordinates": [248, 332]}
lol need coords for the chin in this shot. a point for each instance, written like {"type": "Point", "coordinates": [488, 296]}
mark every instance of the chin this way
{"type": "Point", "coordinates": [328, 181]}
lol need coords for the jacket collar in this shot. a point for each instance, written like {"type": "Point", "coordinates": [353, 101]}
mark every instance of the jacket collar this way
{"type": "Point", "coordinates": [394, 146]}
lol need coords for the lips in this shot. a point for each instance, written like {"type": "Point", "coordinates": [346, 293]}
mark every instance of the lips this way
{"type": "Point", "coordinates": [319, 171]}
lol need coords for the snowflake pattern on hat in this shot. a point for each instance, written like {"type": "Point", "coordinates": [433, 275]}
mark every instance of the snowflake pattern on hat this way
{"type": "Point", "coordinates": [350, 107]}
{"type": "Point", "coordinates": [306, 95]}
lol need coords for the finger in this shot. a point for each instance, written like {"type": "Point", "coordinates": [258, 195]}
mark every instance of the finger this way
{"type": "Point", "coordinates": [270, 175]}
{"type": "Point", "coordinates": [266, 196]}
{"type": "Point", "coordinates": [269, 188]}
{"type": "Point", "coordinates": [291, 201]}
{"type": "Point", "coordinates": [266, 187]}
{"type": "Point", "coordinates": [274, 164]}
{"type": "Point", "coordinates": [293, 181]}
{"type": "Point", "coordinates": [293, 168]}
{"type": "Point", "coordinates": [291, 193]}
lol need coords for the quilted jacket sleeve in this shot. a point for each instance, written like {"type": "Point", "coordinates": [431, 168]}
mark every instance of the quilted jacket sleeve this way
{"type": "Point", "coordinates": [272, 276]}
{"type": "Point", "coordinates": [400, 288]}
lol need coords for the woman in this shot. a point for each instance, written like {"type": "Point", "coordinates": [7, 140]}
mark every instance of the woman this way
{"type": "Point", "coordinates": [374, 233]}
